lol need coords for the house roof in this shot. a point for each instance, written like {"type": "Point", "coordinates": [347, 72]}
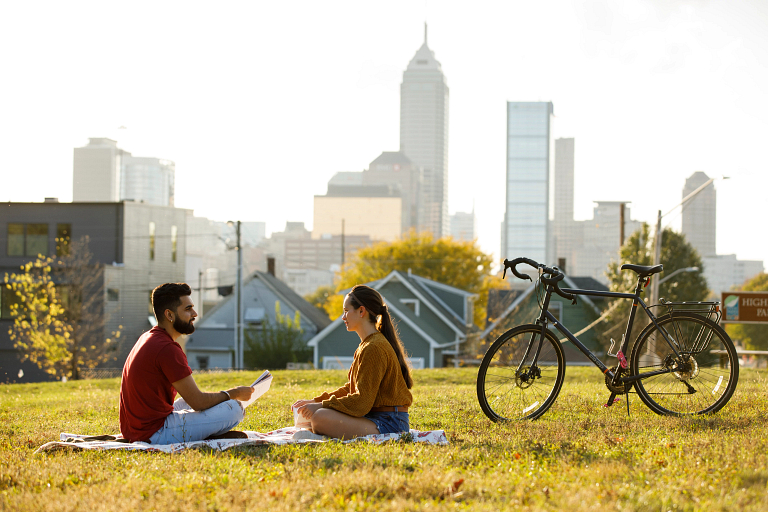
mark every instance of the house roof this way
{"type": "Point", "coordinates": [308, 312]}
{"type": "Point", "coordinates": [569, 282]}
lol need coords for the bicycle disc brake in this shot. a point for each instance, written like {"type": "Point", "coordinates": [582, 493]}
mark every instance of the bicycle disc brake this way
{"type": "Point", "coordinates": [619, 389]}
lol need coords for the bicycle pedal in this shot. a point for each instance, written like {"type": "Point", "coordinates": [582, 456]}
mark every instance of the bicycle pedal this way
{"type": "Point", "coordinates": [610, 404]}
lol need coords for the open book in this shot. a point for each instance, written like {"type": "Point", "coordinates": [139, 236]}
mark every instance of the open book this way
{"type": "Point", "coordinates": [260, 386]}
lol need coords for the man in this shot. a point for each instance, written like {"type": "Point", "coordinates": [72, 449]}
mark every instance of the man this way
{"type": "Point", "coordinates": [157, 368]}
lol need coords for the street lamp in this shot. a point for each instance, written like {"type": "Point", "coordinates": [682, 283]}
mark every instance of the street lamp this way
{"type": "Point", "coordinates": [238, 299]}
{"type": "Point", "coordinates": [686, 269]}
{"type": "Point", "coordinates": [657, 236]}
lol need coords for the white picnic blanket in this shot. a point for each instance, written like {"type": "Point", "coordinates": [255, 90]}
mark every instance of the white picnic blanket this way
{"type": "Point", "coordinates": [280, 436]}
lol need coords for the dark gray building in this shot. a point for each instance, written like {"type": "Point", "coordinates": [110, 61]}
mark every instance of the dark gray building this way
{"type": "Point", "coordinates": [135, 247]}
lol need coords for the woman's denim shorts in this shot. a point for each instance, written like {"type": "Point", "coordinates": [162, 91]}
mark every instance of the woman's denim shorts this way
{"type": "Point", "coordinates": [390, 422]}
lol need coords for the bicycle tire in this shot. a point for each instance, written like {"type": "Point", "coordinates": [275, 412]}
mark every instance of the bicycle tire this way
{"type": "Point", "coordinates": [703, 381]}
{"type": "Point", "coordinates": [504, 394]}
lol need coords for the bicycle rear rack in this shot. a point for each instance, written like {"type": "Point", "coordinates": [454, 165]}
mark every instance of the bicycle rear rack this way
{"type": "Point", "coordinates": [711, 310]}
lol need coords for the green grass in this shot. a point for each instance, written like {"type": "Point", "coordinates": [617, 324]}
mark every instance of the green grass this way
{"type": "Point", "coordinates": [578, 456]}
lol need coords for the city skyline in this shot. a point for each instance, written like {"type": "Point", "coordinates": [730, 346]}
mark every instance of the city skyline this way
{"type": "Point", "coordinates": [652, 91]}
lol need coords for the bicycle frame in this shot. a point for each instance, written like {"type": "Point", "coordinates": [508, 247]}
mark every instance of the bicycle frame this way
{"type": "Point", "coordinates": [546, 316]}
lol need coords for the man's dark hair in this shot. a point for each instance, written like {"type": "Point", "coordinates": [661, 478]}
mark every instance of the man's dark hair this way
{"type": "Point", "coordinates": [168, 296]}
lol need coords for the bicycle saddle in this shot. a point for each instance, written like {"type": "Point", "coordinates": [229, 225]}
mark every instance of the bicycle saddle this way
{"type": "Point", "coordinates": [642, 270]}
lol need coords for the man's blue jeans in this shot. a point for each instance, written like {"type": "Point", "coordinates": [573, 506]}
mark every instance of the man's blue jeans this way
{"type": "Point", "coordinates": [185, 424]}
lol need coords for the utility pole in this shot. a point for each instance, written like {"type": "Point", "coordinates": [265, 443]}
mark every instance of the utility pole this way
{"type": "Point", "coordinates": [342, 241]}
{"type": "Point", "coordinates": [621, 225]}
{"type": "Point", "coordinates": [239, 326]}
{"type": "Point", "coordinates": [656, 260]}
{"type": "Point", "coordinates": [238, 355]}
{"type": "Point", "coordinates": [202, 290]}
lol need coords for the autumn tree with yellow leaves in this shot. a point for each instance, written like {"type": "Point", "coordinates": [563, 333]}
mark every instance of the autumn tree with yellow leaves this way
{"type": "Point", "coordinates": [446, 260]}
{"type": "Point", "coordinates": [57, 309]}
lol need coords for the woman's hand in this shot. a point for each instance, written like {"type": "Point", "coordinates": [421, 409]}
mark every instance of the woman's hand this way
{"type": "Point", "coordinates": [300, 403]}
{"type": "Point", "coordinates": [308, 410]}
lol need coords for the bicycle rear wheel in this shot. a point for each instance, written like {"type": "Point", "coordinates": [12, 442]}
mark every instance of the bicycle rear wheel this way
{"type": "Point", "coordinates": [509, 388]}
{"type": "Point", "coordinates": [701, 378]}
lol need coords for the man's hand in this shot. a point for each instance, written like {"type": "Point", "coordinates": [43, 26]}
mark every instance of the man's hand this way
{"type": "Point", "coordinates": [200, 401]}
{"type": "Point", "coordinates": [308, 410]}
{"type": "Point", "coordinates": [242, 393]}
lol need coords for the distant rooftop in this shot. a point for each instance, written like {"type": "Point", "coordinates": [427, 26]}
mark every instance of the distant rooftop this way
{"type": "Point", "coordinates": [391, 158]}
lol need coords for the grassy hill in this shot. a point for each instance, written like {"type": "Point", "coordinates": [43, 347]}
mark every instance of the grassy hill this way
{"type": "Point", "coordinates": [579, 456]}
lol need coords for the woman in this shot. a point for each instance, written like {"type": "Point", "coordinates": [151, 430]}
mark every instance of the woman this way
{"type": "Point", "coordinates": [377, 395]}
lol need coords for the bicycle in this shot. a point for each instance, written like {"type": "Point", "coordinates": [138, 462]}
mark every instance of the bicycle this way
{"type": "Point", "coordinates": [682, 363]}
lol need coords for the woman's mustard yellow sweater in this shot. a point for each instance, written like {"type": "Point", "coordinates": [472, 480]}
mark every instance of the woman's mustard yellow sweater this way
{"type": "Point", "coordinates": [374, 380]}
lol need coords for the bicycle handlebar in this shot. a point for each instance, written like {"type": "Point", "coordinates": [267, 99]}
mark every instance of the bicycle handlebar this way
{"type": "Point", "coordinates": [555, 275]}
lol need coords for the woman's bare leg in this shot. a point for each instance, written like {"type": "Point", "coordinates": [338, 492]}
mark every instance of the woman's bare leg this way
{"type": "Point", "coordinates": [329, 422]}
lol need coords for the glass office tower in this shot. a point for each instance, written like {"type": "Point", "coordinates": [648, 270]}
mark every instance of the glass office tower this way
{"type": "Point", "coordinates": [530, 181]}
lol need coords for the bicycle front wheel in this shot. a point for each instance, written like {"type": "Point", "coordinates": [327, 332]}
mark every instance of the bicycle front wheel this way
{"type": "Point", "coordinates": [699, 379]}
{"type": "Point", "coordinates": [509, 385]}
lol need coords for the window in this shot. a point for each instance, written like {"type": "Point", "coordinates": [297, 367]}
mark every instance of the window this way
{"type": "Point", "coordinates": [113, 294]}
{"type": "Point", "coordinates": [7, 298]}
{"type": "Point", "coordinates": [412, 304]}
{"type": "Point", "coordinates": [37, 239]}
{"type": "Point", "coordinates": [202, 362]}
{"type": "Point", "coordinates": [174, 233]}
{"type": "Point", "coordinates": [15, 239]}
{"type": "Point", "coordinates": [63, 236]}
{"type": "Point", "coordinates": [27, 239]}
{"type": "Point", "coordinates": [152, 241]}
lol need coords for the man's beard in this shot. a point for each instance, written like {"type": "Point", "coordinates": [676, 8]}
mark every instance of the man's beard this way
{"type": "Point", "coordinates": [183, 327]}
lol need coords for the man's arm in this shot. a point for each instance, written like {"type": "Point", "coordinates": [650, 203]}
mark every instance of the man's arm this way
{"type": "Point", "coordinates": [200, 400]}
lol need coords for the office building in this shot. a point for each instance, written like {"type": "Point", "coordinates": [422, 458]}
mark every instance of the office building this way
{"type": "Point", "coordinates": [564, 234]}
{"type": "Point", "coordinates": [135, 247]}
{"type": "Point", "coordinates": [394, 168]}
{"type": "Point", "coordinates": [147, 180]}
{"type": "Point", "coordinates": [725, 272]}
{"type": "Point", "coordinates": [102, 172]}
{"type": "Point", "coordinates": [96, 171]}
{"type": "Point", "coordinates": [424, 132]}
{"type": "Point", "coordinates": [599, 239]}
{"type": "Point", "coordinates": [530, 170]}
{"type": "Point", "coordinates": [700, 215]}
{"type": "Point", "coordinates": [464, 226]}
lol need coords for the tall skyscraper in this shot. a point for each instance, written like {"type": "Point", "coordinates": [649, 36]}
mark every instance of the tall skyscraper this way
{"type": "Point", "coordinates": [148, 180]}
{"type": "Point", "coordinates": [96, 171]}
{"type": "Point", "coordinates": [530, 170]}
{"type": "Point", "coordinates": [699, 215]}
{"type": "Point", "coordinates": [565, 238]}
{"type": "Point", "coordinates": [424, 132]}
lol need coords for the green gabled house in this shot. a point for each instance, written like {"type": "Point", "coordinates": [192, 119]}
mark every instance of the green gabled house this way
{"type": "Point", "coordinates": [509, 308]}
{"type": "Point", "coordinates": [433, 319]}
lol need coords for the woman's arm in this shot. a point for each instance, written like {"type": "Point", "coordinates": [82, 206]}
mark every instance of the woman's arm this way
{"type": "Point", "coordinates": [371, 367]}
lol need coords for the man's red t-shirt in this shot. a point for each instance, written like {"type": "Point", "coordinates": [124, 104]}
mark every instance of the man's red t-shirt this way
{"type": "Point", "coordinates": [146, 393]}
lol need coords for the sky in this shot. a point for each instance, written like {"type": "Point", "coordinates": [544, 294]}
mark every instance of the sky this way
{"type": "Point", "coordinates": [260, 103]}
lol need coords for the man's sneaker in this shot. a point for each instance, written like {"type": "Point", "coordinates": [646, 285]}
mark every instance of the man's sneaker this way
{"type": "Point", "coordinates": [308, 434]}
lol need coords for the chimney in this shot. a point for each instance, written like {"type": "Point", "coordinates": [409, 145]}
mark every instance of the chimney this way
{"type": "Point", "coordinates": [271, 265]}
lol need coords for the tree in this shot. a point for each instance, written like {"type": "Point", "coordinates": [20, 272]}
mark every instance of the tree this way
{"type": "Point", "coordinates": [274, 345]}
{"type": "Point", "coordinates": [752, 336]}
{"type": "Point", "coordinates": [58, 315]}
{"type": "Point", "coordinates": [453, 262]}
{"type": "Point", "coordinates": [676, 253]}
